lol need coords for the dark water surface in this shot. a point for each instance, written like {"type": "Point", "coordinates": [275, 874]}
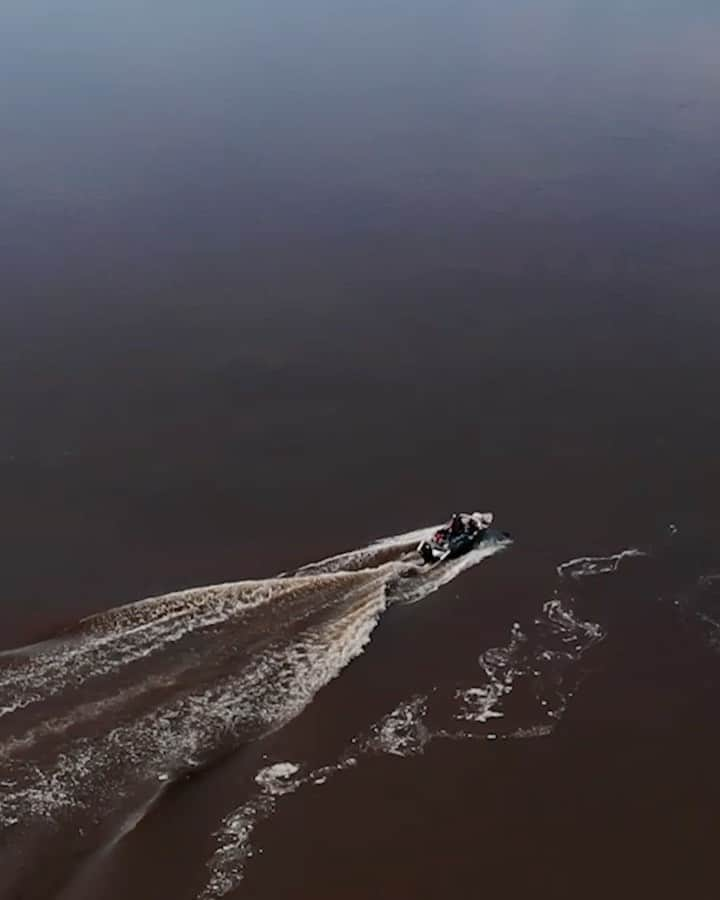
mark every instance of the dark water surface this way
{"type": "Point", "coordinates": [279, 279]}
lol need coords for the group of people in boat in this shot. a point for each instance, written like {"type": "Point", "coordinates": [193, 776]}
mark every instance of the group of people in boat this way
{"type": "Point", "coordinates": [458, 525]}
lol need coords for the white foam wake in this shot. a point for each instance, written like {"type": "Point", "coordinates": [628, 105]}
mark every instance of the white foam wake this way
{"type": "Point", "coordinates": [253, 656]}
{"type": "Point", "coordinates": [270, 688]}
{"type": "Point", "coordinates": [110, 641]}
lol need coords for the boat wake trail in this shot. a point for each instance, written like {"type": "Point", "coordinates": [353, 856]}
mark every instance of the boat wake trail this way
{"type": "Point", "coordinates": [95, 724]}
{"type": "Point", "coordinates": [519, 690]}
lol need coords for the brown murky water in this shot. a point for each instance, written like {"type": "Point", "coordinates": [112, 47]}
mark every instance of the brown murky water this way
{"type": "Point", "coordinates": [278, 281]}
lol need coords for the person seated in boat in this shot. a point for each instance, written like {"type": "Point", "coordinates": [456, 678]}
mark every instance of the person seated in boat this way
{"type": "Point", "coordinates": [471, 525]}
{"type": "Point", "coordinates": [457, 525]}
{"type": "Point", "coordinates": [427, 553]}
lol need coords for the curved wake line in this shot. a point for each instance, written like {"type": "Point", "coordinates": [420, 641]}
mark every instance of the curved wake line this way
{"type": "Point", "coordinates": [540, 657]}
{"type": "Point", "coordinates": [597, 565]}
